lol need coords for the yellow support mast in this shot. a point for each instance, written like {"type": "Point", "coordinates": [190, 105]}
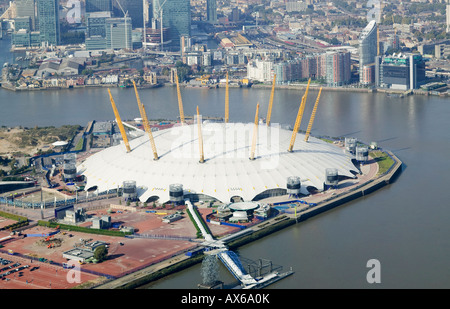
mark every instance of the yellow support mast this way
{"type": "Point", "coordinates": [146, 123]}
{"type": "Point", "coordinates": [180, 102]}
{"type": "Point", "coordinates": [119, 122]}
{"type": "Point", "coordinates": [313, 116]}
{"type": "Point", "coordinates": [298, 120]}
{"type": "Point", "coordinates": [269, 111]}
{"type": "Point", "coordinates": [255, 133]}
{"type": "Point", "coordinates": [200, 137]}
{"type": "Point", "coordinates": [227, 102]}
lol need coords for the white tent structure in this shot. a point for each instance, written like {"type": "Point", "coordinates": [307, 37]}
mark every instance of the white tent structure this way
{"type": "Point", "coordinates": [227, 170]}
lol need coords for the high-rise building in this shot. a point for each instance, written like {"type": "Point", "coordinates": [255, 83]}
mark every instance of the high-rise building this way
{"type": "Point", "coordinates": [401, 72]}
{"type": "Point", "coordinates": [48, 15]}
{"type": "Point", "coordinates": [27, 8]}
{"type": "Point", "coordinates": [98, 6]}
{"type": "Point", "coordinates": [175, 15]}
{"type": "Point", "coordinates": [96, 23]}
{"type": "Point", "coordinates": [338, 70]}
{"type": "Point", "coordinates": [211, 11]}
{"type": "Point", "coordinates": [118, 33]}
{"type": "Point", "coordinates": [133, 8]}
{"type": "Point", "coordinates": [368, 49]}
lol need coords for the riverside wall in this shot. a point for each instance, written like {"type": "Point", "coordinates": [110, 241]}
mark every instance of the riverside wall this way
{"type": "Point", "coordinates": [268, 227]}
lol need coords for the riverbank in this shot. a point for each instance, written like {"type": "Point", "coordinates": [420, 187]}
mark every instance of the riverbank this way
{"type": "Point", "coordinates": [270, 226]}
{"type": "Point", "coordinates": [313, 86]}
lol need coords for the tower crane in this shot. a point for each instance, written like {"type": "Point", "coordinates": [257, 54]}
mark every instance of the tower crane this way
{"type": "Point", "coordinates": [180, 102]}
{"type": "Point", "coordinates": [159, 12]}
{"type": "Point", "coordinates": [255, 133]}
{"type": "Point", "coordinates": [200, 137]}
{"type": "Point", "coordinates": [269, 111]}
{"type": "Point", "coordinates": [313, 116]}
{"type": "Point", "coordinates": [119, 123]}
{"type": "Point", "coordinates": [126, 28]}
{"type": "Point", "coordinates": [299, 118]}
{"type": "Point", "coordinates": [146, 123]}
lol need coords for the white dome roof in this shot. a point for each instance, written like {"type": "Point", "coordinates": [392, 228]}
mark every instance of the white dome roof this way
{"type": "Point", "coordinates": [227, 170]}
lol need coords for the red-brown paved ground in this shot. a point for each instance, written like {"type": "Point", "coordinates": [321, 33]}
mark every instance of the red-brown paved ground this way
{"type": "Point", "coordinates": [135, 253]}
{"type": "Point", "coordinates": [5, 222]}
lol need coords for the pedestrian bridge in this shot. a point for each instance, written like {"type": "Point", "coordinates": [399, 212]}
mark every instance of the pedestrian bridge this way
{"type": "Point", "coordinates": [234, 265]}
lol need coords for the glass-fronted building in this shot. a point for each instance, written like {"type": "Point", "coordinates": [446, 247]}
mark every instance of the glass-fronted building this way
{"type": "Point", "coordinates": [118, 33]}
{"type": "Point", "coordinates": [176, 15]}
{"type": "Point", "coordinates": [134, 10]}
{"type": "Point", "coordinates": [368, 49]}
{"type": "Point", "coordinates": [211, 11]}
{"type": "Point", "coordinates": [27, 8]}
{"type": "Point", "coordinates": [98, 6]}
{"type": "Point", "coordinates": [401, 71]}
{"type": "Point", "coordinates": [48, 15]}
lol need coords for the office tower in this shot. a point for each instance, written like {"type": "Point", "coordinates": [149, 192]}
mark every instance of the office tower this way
{"type": "Point", "coordinates": [48, 15]}
{"type": "Point", "coordinates": [175, 15]}
{"type": "Point", "coordinates": [27, 8]}
{"type": "Point", "coordinates": [118, 33]}
{"type": "Point", "coordinates": [401, 72]}
{"type": "Point", "coordinates": [367, 50]}
{"type": "Point", "coordinates": [96, 30]}
{"type": "Point", "coordinates": [98, 6]}
{"type": "Point", "coordinates": [211, 11]}
{"type": "Point", "coordinates": [96, 23]}
{"type": "Point", "coordinates": [133, 8]}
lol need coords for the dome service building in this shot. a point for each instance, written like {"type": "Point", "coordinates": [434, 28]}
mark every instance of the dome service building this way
{"type": "Point", "coordinates": [223, 161]}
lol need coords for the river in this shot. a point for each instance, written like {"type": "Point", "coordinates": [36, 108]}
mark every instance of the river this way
{"type": "Point", "coordinates": [404, 225]}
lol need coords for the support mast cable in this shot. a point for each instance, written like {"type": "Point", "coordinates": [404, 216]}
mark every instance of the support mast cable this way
{"type": "Point", "coordinates": [313, 116]}
{"type": "Point", "coordinates": [119, 122]}
{"type": "Point", "coordinates": [269, 111]}
{"type": "Point", "coordinates": [255, 133]}
{"type": "Point", "coordinates": [299, 118]}
{"type": "Point", "coordinates": [180, 101]}
{"type": "Point", "coordinates": [146, 123]}
{"type": "Point", "coordinates": [200, 137]}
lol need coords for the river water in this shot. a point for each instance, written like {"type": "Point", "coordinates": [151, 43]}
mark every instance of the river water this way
{"type": "Point", "coordinates": [404, 225]}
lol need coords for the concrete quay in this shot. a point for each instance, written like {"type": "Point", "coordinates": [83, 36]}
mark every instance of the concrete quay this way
{"type": "Point", "coordinates": [365, 183]}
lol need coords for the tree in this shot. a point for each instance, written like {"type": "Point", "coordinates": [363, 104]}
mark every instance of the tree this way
{"type": "Point", "coordinates": [183, 71]}
{"type": "Point", "coordinates": [100, 253]}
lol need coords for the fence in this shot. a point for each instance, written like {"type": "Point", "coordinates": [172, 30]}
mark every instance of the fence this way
{"type": "Point", "coordinates": [58, 203]}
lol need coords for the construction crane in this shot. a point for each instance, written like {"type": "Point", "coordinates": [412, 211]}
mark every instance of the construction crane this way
{"type": "Point", "coordinates": [269, 111]}
{"type": "Point", "coordinates": [298, 120]}
{"type": "Point", "coordinates": [255, 133]}
{"type": "Point", "coordinates": [158, 12]}
{"type": "Point", "coordinates": [125, 14]}
{"type": "Point", "coordinates": [146, 123]}
{"type": "Point", "coordinates": [313, 116]}
{"type": "Point", "coordinates": [200, 137]}
{"type": "Point", "coordinates": [227, 102]}
{"type": "Point", "coordinates": [119, 122]}
{"type": "Point", "coordinates": [180, 102]}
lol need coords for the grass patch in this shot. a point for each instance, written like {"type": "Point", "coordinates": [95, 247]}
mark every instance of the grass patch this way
{"type": "Point", "coordinates": [383, 159]}
{"type": "Point", "coordinates": [80, 145]}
